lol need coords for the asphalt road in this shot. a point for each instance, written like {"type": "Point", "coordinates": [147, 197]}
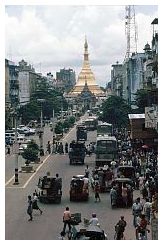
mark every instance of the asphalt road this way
{"type": "Point", "coordinates": [49, 225]}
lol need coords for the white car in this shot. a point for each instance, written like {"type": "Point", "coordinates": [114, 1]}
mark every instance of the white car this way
{"type": "Point", "coordinates": [27, 131]}
{"type": "Point", "coordinates": [22, 147]}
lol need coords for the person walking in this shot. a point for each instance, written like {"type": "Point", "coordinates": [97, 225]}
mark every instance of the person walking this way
{"type": "Point", "coordinates": [124, 195]}
{"type": "Point", "coordinates": [113, 196]}
{"type": "Point", "coordinates": [87, 172]}
{"type": "Point", "coordinates": [8, 150]}
{"type": "Point", "coordinates": [97, 191]}
{"type": "Point", "coordinates": [147, 210]}
{"type": "Point", "coordinates": [48, 147]}
{"type": "Point", "coordinates": [29, 209]}
{"type": "Point", "coordinates": [66, 219]}
{"type": "Point", "coordinates": [120, 228]}
{"type": "Point", "coordinates": [136, 210]}
{"type": "Point", "coordinates": [66, 147]}
{"type": "Point", "coordinates": [35, 204]}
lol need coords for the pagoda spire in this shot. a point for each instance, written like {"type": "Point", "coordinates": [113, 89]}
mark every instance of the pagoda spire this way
{"type": "Point", "coordinates": [86, 50]}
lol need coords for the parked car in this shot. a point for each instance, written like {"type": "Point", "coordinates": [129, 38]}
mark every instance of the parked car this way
{"type": "Point", "coordinates": [26, 130]}
{"type": "Point", "coordinates": [22, 147]}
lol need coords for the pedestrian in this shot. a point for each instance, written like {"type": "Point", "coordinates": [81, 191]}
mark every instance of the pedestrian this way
{"type": "Point", "coordinates": [97, 191]}
{"type": "Point", "coordinates": [48, 147]}
{"type": "Point", "coordinates": [113, 196]}
{"type": "Point", "coordinates": [147, 210]}
{"type": "Point", "coordinates": [57, 176]}
{"type": "Point", "coordinates": [35, 204]}
{"type": "Point", "coordinates": [8, 150]}
{"type": "Point", "coordinates": [124, 195]}
{"type": "Point", "coordinates": [66, 147]}
{"type": "Point", "coordinates": [94, 220]}
{"type": "Point", "coordinates": [87, 172]}
{"type": "Point", "coordinates": [136, 210]}
{"type": "Point", "coordinates": [120, 228]}
{"type": "Point", "coordinates": [29, 209]}
{"type": "Point", "coordinates": [67, 220]}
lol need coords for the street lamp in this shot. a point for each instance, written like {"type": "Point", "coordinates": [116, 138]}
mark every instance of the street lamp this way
{"type": "Point", "coordinates": [41, 131]}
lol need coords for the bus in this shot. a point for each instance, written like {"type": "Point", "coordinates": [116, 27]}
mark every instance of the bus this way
{"type": "Point", "coordinates": [106, 150]}
{"type": "Point", "coordinates": [91, 123]}
{"type": "Point", "coordinates": [104, 128]}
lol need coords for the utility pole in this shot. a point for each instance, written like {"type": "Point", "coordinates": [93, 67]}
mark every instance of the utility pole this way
{"type": "Point", "coordinates": [53, 151]}
{"type": "Point", "coordinates": [41, 131]}
{"type": "Point", "coordinates": [16, 149]}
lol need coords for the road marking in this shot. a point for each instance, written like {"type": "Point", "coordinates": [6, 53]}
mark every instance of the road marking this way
{"type": "Point", "coordinates": [68, 133]}
{"type": "Point", "coordinates": [16, 187]}
{"type": "Point", "coordinates": [40, 164]}
{"type": "Point", "coordinates": [9, 180]}
{"type": "Point", "coordinates": [31, 175]}
{"type": "Point", "coordinates": [36, 171]}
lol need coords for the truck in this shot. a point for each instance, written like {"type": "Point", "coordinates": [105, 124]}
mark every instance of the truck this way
{"type": "Point", "coordinates": [106, 150]}
{"type": "Point", "coordinates": [81, 133]}
{"type": "Point", "coordinates": [49, 189]}
{"type": "Point", "coordinates": [77, 152]}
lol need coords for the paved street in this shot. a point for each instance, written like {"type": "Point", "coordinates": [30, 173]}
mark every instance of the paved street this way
{"type": "Point", "coordinates": [49, 225]}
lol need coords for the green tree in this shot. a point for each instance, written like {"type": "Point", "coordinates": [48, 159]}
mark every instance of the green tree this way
{"type": "Point", "coordinates": [144, 98]}
{"type": "Point", "coordinates": [31, 152]}
{"type": "Point", "coordinates": [59, 128]}
{"type": "Point", "coordinates": [71, 120]}
{"type": "Point", "coordinates": [115, 111]}
{"type": "Point", "coordinates": [53, 100]}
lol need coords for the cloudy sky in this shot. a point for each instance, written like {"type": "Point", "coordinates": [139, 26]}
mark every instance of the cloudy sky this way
{"type": "Point", "coordinates": [52, 37]}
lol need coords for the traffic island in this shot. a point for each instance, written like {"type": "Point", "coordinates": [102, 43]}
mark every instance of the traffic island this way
{"type": "Point", "coordinates": [27, 169]}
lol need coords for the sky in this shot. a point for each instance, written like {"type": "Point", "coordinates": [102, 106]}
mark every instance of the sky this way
{"type": "Point", "coordinates": [52, 37]}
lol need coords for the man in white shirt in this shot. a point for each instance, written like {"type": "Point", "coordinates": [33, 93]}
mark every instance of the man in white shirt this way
{"type": "Point", "coordinates": [94, 220]}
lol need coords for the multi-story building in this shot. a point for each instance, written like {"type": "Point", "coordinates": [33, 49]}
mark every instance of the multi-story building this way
{"type": "Point", "coordinates": [151, 81]}
{"type": "Point", "coordinates": [65, 79]}
{"type": "Point", "coordinates": [133, 76]}
{"type": "Point", "coordinates": [117, 74]}
{"type": "Point", "coordinates": [11, 84]}
{"type": "Point", "coordinates": [27, 82]}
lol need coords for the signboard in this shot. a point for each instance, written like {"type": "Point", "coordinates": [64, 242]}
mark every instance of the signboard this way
{"type": "Point", "coordinates": [151, 117]}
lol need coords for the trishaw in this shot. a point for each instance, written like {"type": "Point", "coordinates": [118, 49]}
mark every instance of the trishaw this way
{"type": "Point", "coordinates": [118, 183]}
{"type": "Point", "coordinates": [49, 189]}
{"type": "Point", "coordinates": [79, 191]}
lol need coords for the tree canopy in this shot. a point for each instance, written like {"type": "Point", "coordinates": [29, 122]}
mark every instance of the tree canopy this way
{"type": "Point", "coordinates": [115, 111]}
{"type": "Point", "coordinates": [53, 99]}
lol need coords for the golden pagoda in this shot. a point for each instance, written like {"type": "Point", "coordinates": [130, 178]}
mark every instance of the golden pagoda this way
{"type": "Point", "coordinates": [86, 74]}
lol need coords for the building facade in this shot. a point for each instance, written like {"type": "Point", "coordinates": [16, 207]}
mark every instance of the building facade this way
{"type": "Point", "coordinates": [11, 84]}
{"type": "Point", "coordinates": [117, 74]}
{"type": "Point", "coordinates": [65, 79]}
{"type": "Point", "coordinates": [27, 82]}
